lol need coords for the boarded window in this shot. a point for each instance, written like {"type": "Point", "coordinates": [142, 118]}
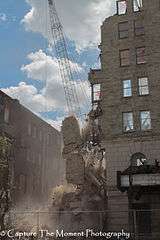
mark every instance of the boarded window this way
{"type": "Point", "coordinates": [139, 27]}
{"type": "Point", "coordinates": [143, 86]}
{"type": "Point", "coordinates": [137, 5]}
{"type": "Point", "coordinates": [96, 92]}
{"type": "Point", "coordinates": [123, 30]}
{"type": "Point", "coordinates": [128, 121]}
{"type": "Point", "coordinates": [141, 55]}
{"type": "Point", "coordinates": [145, 119]}
{"type": "Point", "coordinates": [121, 7]}
{"type": "Point", "coordinates": [127, 88]}
{"type": "Point", "coordinates": [124, 57]}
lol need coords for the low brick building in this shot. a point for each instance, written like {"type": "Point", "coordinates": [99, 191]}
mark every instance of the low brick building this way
{"type": "Point", "coordinates": [36, 161]}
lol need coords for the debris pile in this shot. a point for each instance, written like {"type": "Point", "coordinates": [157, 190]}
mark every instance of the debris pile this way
{"type": "Point", "coordinates": [84, 207]}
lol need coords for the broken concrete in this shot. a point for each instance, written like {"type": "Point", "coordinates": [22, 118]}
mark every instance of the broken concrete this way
{"type": "Point", "coordinates": [75, 169]}
{"type": "Point", "coordinates": [71, 131]}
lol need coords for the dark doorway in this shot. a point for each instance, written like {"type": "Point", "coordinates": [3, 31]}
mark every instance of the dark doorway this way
{"type": "Point", "coordinates": [142, 220]}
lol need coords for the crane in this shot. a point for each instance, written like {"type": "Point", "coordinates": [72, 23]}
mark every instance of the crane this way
{"type": "Point", "coordinates": [64, 62]}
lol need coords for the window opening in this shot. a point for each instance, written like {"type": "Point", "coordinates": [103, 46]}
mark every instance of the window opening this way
{"type": "Point", "coordinates": [121, 7]}
{"type": "Point", "coordinates": [29, 129]}
{"type": "Point", "coordinates": [2, 103]}
{"type": "Point", "coordinates": [123, 30]}
{"type": "Point", "coordinates": [143, 86]}
{"type": "Point", "coordinates": [6, 114]}
{"type": "Point", "coordinates": [34, 131]}
{"type": "Point", "coordinates": [139, 27]}
{"type": "Point", "coordinates": [145, 119]}
{"type": "Point", "coordinates": [124, 57]}
{"type": "Point", "coordinates": [137, 5]}
{"type": "Point", "coordinates": [96, 88]}
{"type": "Point", "coordinates": [23, 183]}
{"type": "Point", "coordinates": [127, 88]}
{"type": "Point", "coordinates": [140, 55]}
{"type": "Point", "coordinates": [128, 121]}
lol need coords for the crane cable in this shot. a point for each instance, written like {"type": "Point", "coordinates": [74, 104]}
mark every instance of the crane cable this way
{"type": "Point", "coordinates": [64, 62]}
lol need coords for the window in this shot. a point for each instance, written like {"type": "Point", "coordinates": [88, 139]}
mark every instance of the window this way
{"type": "Point", "coordinates": [138, 159]}
{"type": "Point", "coordinates": [33, 157]}
{"type": "Point", "coordinates": [124, 57]}
{"type": "Point", "coordinates": [137, 5]}
{"type": "Point", "coordinates": [29, 129]}
{"type": "Point", "coordinates": [40, 135]}
{"type": "Point", "coordinates": [143, 86]}
{"type": "Point", "coordinates": [28, 155]}
{"type": "Point", "coordinates": [140, 55]}
{"type": "Point", "coordinates": [123, 30]}
{"type": "Point", "coordinates": [48, 139]}
{"type": "Point", "coordinates": [39, 159]}
{"type": "Point", "coordinates": [96, 88]}
{"type": "Point", "coordinates": [34, 131]}
{"type": "Point", "coordinates": [139, 27]}
{"type": "Point", "coordinates": [145, 119]}
{"type": "Point", "coordinates": [128, 121]}
{"type": "Point", "coordinates": [6, 114]}
{"type": "Point", "coordinates": [121, 7]}
{"type": "Point", "coordinates": [127, 88]}
{"type": "Point", "coordinates": [2, 103]}
{"type": "Point", "coordinates": [22, 183]}
{"type": "Point", "coordinates": [22, 141]}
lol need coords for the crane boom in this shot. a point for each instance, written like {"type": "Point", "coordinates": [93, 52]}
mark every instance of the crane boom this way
{"type": "Point", "coordinates": [63, 61]}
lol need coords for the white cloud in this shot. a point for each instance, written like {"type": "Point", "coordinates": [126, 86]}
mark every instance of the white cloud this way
{"type": "Point", "coordinates": [3, 17]}
{"type": "Point", "coordinates": [51, 97]}
{"type": "Point", "coordinates": [42, 67]}
{"type": "Point", "coordinates": [81, 19]}
{"type": "Point", "coordinates": [29, 96]}
{"type": "Point", "coordinates": [46, 69]}
{"type": "Point", "coordinates": [37, 103]}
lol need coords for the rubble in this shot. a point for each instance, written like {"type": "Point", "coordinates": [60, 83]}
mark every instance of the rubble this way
{"type": "Point", "coordinates": [85, 206]}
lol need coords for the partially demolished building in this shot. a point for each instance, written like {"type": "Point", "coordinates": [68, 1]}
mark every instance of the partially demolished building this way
{"type": "Point", "coordinates": [86, 204]}
{"type": "Point", "coordinates": [125, 97]}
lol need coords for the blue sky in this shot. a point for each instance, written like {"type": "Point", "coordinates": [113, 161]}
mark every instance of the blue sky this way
{"type": "Point", "coordinates": [16, 43]}
{"type": "Point", "coordinates": [26, 44]}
